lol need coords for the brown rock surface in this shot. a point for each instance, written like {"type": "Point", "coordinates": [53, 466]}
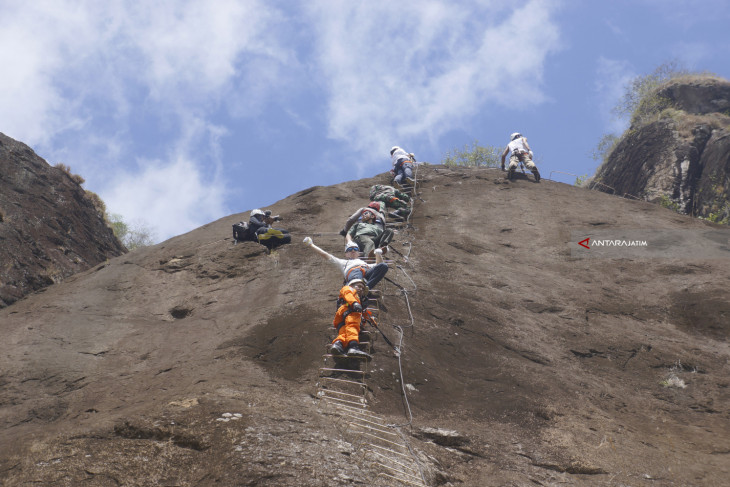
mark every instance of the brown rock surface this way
{"type": "Point", "coordinates": [522, 366]}
{"type": "Point", "coordinates": [681, 155]}
{"type": "Point", "coordinates": [49, 228]}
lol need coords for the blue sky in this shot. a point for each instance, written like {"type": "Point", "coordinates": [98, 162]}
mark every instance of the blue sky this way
{"type": "Point", "coordinates": [180, 112]}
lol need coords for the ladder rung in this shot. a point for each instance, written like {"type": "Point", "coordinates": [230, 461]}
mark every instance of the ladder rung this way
{"type": "Point", "coordinates": [342, 370]}
{"type": "Point", "coordinates": [343, 357]}
{"type": "Point", "coordinates": [394, 461]}
{"type": "Point", "coordinates": [406, 481]}
{"type": "Point", "coordinates": [337, 400]}
{"type": "Point", "coordinates": [361, 384]}
{"type": "Point", "coordinates": [389, 450]}
{"type": "Point", "coordinates": [371, 428]}
{"type": "Point", "coordinates": [324, 392]}
{"type": "Point", "coordinates": [387, 441]}
{"type": "Point", "coordinates": [407, 474]}
{"type": "Point", "coordinates": [359, 412]}
{"type": "Point", "coordinates": [378, 422]}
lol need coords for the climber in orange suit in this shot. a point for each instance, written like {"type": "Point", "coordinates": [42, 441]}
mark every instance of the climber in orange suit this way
{"type": "Point", "coordinates": [347, 319]}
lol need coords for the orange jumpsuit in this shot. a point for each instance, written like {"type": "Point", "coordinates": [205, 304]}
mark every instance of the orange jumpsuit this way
{"type": "Point", "coordinates": [347, 321]}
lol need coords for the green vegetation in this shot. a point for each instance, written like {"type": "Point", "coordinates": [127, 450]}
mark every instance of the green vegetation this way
{"type": "Point", "coordinates": [132, 236]}
{"type": "Point", "coordinates": [672, 113]}
{"type": "Point", "coordinates": [641, 100]}
{"type": "Point", "coordinates": [719, 210]}
{"type": "Point", "coordinates": [721, 216]}
{"type": "Point", "coordinates": [667, 202]}
{"type": "Point", "coordinates": [118, 226]}
{"type": "Point", "coordinates": [641, 104]}
{"type": "Point", "coordinates": [473, 156]}
{"type": "Point", "coordinates": [605, 146]}
{"type": "Point", "coordinates": [673, 381]}
{"type": "Point", "coordinates": [581, 180]}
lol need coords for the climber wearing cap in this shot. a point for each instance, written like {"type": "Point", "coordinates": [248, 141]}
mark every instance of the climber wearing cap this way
{"type": "Point", "coordinates": [353, 267]}
{"type": "Point", "coordinates": [519, 151]}
{"type": "Point", "coordinates": [402, 165]}
{"type": "Point", "coordinates": [368, 235]}
{"type": "Point", "coordinates": [347, 319]}
{"type": "Point", "coordinates": [259, 225]}
{"type": "Point", "coordinates": [392, 199]}
{"type": "Point", "coordinates": [357, 216]}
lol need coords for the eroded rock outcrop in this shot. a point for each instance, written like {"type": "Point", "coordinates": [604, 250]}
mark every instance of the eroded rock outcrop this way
{"type": "Point", "coordinates": [681, 156]}
{"type": "Point", "coordinates": [49, 226]}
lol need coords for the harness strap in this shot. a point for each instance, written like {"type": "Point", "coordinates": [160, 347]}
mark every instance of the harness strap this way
{"type": "Point", "coordinates": [344, 316]}
{"type": "Point", "coordinates": [520, 154]}
{"type": "Point", "coordinates": [361, 268]}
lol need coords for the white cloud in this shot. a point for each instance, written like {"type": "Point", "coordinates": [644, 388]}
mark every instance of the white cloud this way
{"type": "Point", "coordinates": [402, 70]}
{"type": "Point", "coordinates": [612, 78]}
{"type": "Point", "coordinates": [129, 93]}
{"type": "Point", "coordinates": [37, 40]}
{"type": "Point", "coordinates": [616, 29]}
{"type": "Point", "coordinates": [172, 197]}
{"type": "Point", "coordinates": [194, 48]}
{"type": "Point", "coordinates": [84, 78]}
{"type": "Point", "coordinates": [695, 54]}
{"type": "Point", "coordinates": [179, 193]}
{"type": "Point", "coordinates": [75, 64]}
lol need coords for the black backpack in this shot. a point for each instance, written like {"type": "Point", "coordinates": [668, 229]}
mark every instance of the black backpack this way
{"type": "Point", "coordinates": [241, 233]}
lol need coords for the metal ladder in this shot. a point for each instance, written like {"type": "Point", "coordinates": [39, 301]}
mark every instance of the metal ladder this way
{"type": "Point", "coordinates": [342, 392]}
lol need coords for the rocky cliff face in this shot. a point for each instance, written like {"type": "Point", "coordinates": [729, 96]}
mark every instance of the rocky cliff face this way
{"type": "Point", "coordinates": [49, 227]}
{"type": "Point", "coordinates": [682, 156]}
{"type": "Point", "coordinates": [196, 362]}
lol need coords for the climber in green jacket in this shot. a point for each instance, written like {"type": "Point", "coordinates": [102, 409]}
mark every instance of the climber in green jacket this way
{"type": "Point", "coordinates": [368, 234]}
{"type": "Point", "coordinates": [393, 199]}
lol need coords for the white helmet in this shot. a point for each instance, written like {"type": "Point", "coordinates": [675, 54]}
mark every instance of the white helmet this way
{"type": "Point", "coordinates": [515, 136]}
{"type": "Point", "coordinates": [360, 281]}
{"type": "Point", "coordinates": [257, 212]}
{"type": "Point", "coordinates": [394, 148]}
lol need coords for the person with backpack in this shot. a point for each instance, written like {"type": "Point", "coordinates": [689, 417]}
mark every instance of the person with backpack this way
{"type": "Point", "coordinates": [348, 318]}
{"type": "Point", "coordinates": [402, 166]}
{"type": "Point", "coordinates": [357, 216]}
{"type": "Point", "coordinates": [259, 230]}
{"type": "Point", "coordinates": [368, 234]}
{"type": "Point", "coordinates": [392, 199]}
{"type": "Point", "coordinates": [353, 267]}
{"type": "Point", "coordinates": [520, 152]}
